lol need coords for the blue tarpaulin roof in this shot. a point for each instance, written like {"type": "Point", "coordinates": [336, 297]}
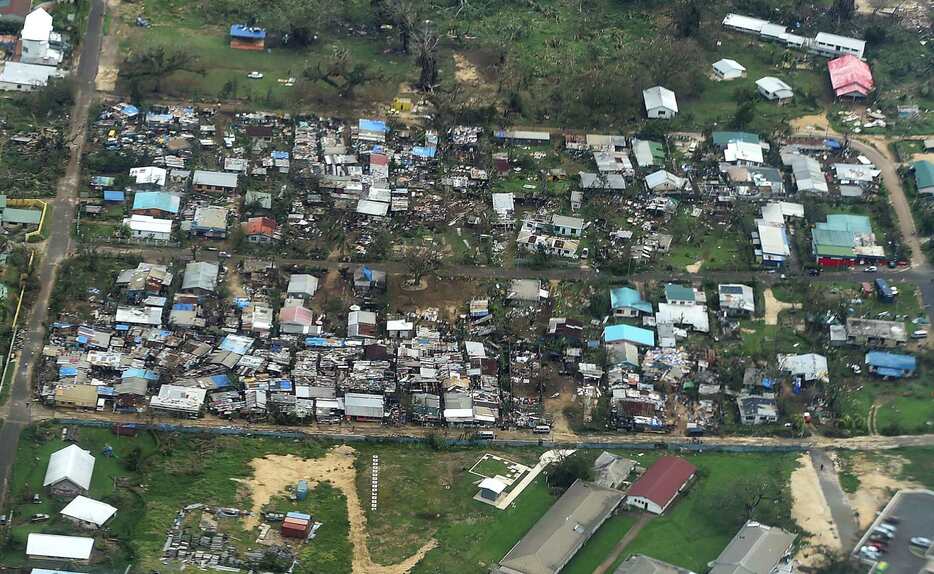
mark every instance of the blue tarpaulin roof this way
{"type": "Point", "coordinates": [82, 339]}
{"type": "Point", "coordinates": [184, 307]}
{"type": "Point", "coordinates": [333, 343]}
{"type": "Point", "coordinates": [768, 383]}
{"type": "Point", "coordinates": [140, 373]}
{"type": "Point", "coordinates": [67, 371]}
{"type": "Point", "coordinates": [373, 125]}
{"type": "Point", "coordinates": [112, 195]}
{"type": "Point", "coordinates": [889, 372]}
{"type": "Point", "coordinates": [421, 151]}
{"type": "Point", "coordinates": [129, 110]}
{"type": "Point", "coordinates": [220, 381]}
{"type": "Point", "coordinates": [122, 327]}
{"type": "Point", "coordinates": [280, 155]}
{"type": "Point", "coordinates": [831, 143]}
{"type": "Point", "coordinates": [241, 31]}
{"type": "Point", "coordinates": [103, 391]}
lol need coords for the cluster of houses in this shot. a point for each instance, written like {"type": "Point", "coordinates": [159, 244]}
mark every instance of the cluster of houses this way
{"type": "Point", "coordinates": [173, 345]}
{"type": "Point", "coordinates": [584, 507]}
{"type": "Point", "coordinates": [35, 56]}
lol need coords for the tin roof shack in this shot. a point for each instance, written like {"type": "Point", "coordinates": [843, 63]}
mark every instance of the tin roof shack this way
{"type": "Point", "coordinates": [524, 292]}
{"type": "Point", "coordinates": [757, 409]}
{"type": "Point", "coordinates": [69, 472]}
{"type": "Point", "coordinates": [200, 277]}
{"type": "Point", "coordinates": [210, 222]}
{"type": "Point", "coordinates": [366, 279]}
{"type": "Point", "coordinates": [88, 513]}
{"type": "Point", "coordinates": [875, 332]}
{"type": "Point", "coordinates": [805, 368]}
{"type": "Point", "coordinates": [364, 407]}
{"type": "Point", "coordinates": [59, 548]}
{"type": "Point", "coordinates": [755, 549]}
{"type": "Point", "coordinates": [891, 365]}
{"type": "Point", "coordinates": [562, 531]}
{"type": "Point", "coordinates": [662, 482]}
{"type": "Point", "coordinates": [924, 176]}
{"type": "Point", "coordinates": [147, 279]}
{"type": "Point", "coordinates": [302, 286]}
{"type": "Point", "coordinates": [736, 299]}
{"type": "Point", "coordinates": [214, 182]}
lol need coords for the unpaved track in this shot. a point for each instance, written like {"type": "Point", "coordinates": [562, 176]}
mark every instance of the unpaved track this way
{"type": "Point", "coordinates": [272, 473]}
{"type": "Point", "coordinates": [810, 511]}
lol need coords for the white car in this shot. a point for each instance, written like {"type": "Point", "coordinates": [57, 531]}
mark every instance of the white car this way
{"type": "Point", "coordinates": [921, 541]}
{"type": "Point", "coordinates": [255, 75]}
{"type": "Point", "coordinates": [871, 269]}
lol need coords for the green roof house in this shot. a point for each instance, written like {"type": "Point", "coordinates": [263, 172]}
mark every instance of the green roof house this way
{"type": "Point", "coordinates": [924, 176]}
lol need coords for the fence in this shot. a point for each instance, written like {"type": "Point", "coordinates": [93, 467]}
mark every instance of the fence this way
{"type": "Point", "coordinates": [676, 446]}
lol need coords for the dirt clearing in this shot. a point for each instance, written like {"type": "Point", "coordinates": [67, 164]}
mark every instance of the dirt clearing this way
{"type": "Point", "coordinates": [877, 483]}
{"type": "Point", "coordinates": [812, 123]}
{"type": "Point", "coordinates": [109, 64]}
{"type": "Point", "coordinates": [773, 307]}
{"type": "Point", "coordinates": [464, 70]}
{"type": "Point", "coordinates": [273, 473]}
{"type": "Point", "coordinates": [810, 510]}
{"type": "Point", "coordinates": [694, 267]}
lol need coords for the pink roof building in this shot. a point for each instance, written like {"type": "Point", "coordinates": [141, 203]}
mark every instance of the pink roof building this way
{"type": "Point", "coordinates": [850, 77]}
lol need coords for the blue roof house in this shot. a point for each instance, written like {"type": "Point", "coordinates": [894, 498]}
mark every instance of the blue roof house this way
{"type": "Point", "coordinates": [627, 302]}
{"type": "Point", "coordinates": [891, 365]}
{"type": "Point", "coordinates": [156, 203]}
{"type": "Point", "coordinates": [629, 334]}
{"type": "Point", "coordinates": [247, 37]}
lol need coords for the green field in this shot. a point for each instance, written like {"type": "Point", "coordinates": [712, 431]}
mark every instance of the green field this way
{"type": "Point", "coordinates": [718, 248]}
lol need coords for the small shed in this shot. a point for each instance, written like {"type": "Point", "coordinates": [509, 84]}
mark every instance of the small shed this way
{"type": "Point", "coordinates": [491, 488]}
{"type": "Point", "coordinates": [660, 103]}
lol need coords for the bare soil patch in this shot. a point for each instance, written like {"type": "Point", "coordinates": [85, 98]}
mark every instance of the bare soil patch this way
{"type": "Point", "coordinates": [773, 307]}
{"type": "Point", "coordinates": [109, 64]}
{"type": "Point", "coordinates": [877, 484]}
{"type": "Point", "coordinates": [810, 510]}
{"type": "Point", "coordinates": [273, 473]}
{"type": "Point", "coordinates": [815, 122]}
{"type": "Point", "coordinates": [694, 267]}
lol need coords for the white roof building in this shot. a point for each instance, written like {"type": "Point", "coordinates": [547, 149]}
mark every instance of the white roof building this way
{"type": "Point", "coordinates": [150, 174]}
{"type": "Point", "coordinates": [88, 510]}
{"type": "Point", "coordinates": [58, 547]}
{"type": "Point", "coordinates": [742, 23]}
{"type": "Point", "coordinates": [71, 463]}
{"type": "Point", "coordinates": [834, 45]}
{"type": "Point", "coordinates": [19, 76]}
{"type": "Point", "coordinates": [808, 176]}
{"type": "Point", "coordinates": [771, 88]}
{"type": "Point", "coordinates": [660, 102]}
{"type": "Point", "coordinates": [149, 226]}
{"type": "Point", "coordinates": [727, 69]}
{"type": "Point", "coordinates": [139, 315]}
{"type": "Point", "coordinates": [37, 26]}
{"type": "Point", "coordinates": [663, 180]}
{"type": "Point", "coordinates": [743, 153]}
{"type": "Point", "coordinates": [302, 284]}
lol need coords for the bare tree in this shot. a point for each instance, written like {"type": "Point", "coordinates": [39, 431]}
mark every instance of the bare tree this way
{"type": "Point", "coordinates": [342, 73]}
{"type": "Point", "coordinates": [426, 46]}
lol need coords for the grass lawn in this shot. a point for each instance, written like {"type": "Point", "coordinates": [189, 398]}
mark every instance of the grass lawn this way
{"type": "Point", "coordinates": [760, 339]}
{"type": "Point", "coordinates": [471, 535]}
{"type": "Point", "coordinates": [490, 466]}
{"type": "Point", "coordinates": [689, 535]}
{"type": "Point", "coordinates": [718, 247]}
{"type": "Point", "coordinates": [219, 65]}
{"type": "Point", "coordinates": [601, 544]}
{"type": "Point", "coordinates": [920, 465]}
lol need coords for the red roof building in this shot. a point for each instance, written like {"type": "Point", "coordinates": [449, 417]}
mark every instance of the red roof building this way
{"type": "Point", "coordinates": [261, 229]}
{"type": "Point", "coordinates": [657, 488]}
{"type": "Point", "coordinates": [850, 77]}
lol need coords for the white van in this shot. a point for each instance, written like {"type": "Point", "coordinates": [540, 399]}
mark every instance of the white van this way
{"type": "Point", "coordinates": [542, 429]}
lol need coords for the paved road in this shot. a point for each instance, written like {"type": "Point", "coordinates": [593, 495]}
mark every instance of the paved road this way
{"type": "Point", "coordinates": [57, 247]}
{"type": "Point", "coordinates": [840, 511]}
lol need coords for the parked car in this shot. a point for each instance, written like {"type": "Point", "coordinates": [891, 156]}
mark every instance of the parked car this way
{"type": "Point", "coordinates": [38, 517]}
{"type": "Point", "coordinates": [919, 334]}
{"type": "Point", "coordinates": [871, 269]}
{"type": "Point", "coordinates": [255, 75]}
{"type": "Point", "coordinates": [921, 541]}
